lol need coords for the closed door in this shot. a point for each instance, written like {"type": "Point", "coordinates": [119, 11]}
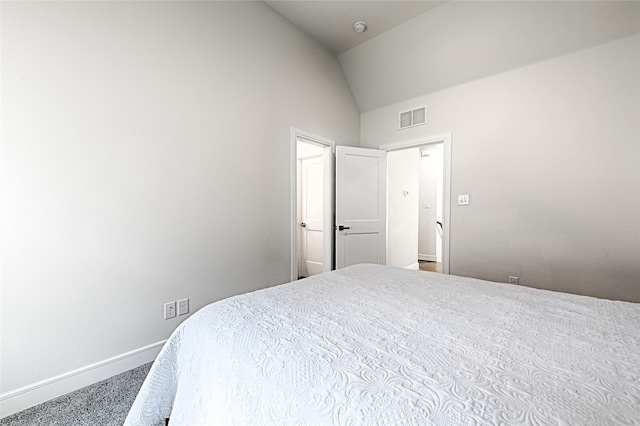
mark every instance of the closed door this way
{"type": "Point", "coordinates": [361, 191]}
{"type": "Point", "coordinates": [312, 216]}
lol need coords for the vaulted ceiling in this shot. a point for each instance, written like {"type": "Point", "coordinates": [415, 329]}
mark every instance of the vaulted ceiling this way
{"type": "Point", "coordinates": [412, 48]}
{"type": "Point", "coordinates": [331, 22]}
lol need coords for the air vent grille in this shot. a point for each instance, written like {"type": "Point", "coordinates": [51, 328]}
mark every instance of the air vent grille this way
{"type": "Point", "coordinates": [411, 118]}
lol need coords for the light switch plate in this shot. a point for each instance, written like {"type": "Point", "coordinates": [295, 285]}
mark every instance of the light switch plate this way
{"type": "Point", "coordinates": [463, 200]}
{"type": "Point", "coordinates": [183, 306]}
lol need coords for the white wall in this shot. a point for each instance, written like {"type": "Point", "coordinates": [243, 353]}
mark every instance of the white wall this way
{"type": "Point", "coordinates": [403, 171]}
{"type": "Point", "coordinates": [550, 155]}
{"type": "Point", "coordinates": [145, 158]}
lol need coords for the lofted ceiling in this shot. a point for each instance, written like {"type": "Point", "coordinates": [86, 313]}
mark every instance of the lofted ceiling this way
{"type": "Point", "coordinates": [330, 22]}
{"type": "Point", "coordinates": [412, 48]}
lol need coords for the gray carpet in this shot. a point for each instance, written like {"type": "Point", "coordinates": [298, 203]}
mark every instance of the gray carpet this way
{"type": "Point", "coordinates": [105, 404]}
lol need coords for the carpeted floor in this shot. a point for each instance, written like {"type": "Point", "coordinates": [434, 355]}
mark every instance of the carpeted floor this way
{"type": "Point", "coordinates": [105, 404]}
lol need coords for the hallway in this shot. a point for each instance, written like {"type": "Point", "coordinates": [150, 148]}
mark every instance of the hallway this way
{"type": "Point", "coordinates": [430, 266]}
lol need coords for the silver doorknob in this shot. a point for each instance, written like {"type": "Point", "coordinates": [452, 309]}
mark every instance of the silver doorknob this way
{"type": "Point", "coordinates": [304, 225]}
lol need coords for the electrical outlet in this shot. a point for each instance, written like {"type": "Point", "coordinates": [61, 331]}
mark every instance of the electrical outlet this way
{"type": "Point", "coordinates": [183, 306]}
{"type": "Point", "coordinates": [169, 310]}
{"type": "Point", "coordinates": [514, 280]}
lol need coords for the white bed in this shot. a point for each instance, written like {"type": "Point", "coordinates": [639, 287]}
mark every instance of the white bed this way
{"type": "Point", "coordinates": [373, 344]}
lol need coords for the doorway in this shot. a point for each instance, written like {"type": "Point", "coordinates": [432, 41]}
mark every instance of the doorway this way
{"type": "Point", "coordinates": [430, 231]}
{"type": "Point", "coordinates": [418, 203]}
{"type": "Point", "coordinates": [312, 205]}
{"type": "Point", "coordinates": [366, 204]}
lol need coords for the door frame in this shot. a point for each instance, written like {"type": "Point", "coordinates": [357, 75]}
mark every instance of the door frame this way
{"type": "Point", "coordinates": [329, 146]}
{"type": "Point", "coordinates": [445, 140]}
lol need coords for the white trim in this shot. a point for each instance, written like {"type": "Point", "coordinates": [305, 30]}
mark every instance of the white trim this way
{"type": "Point", "coordinates": [428, 257]}
{"type": "Point", "coordinates": [414, 266]}
{"type": "Point", "coordinates": [441, 138]}
{"type": "Point", "coordinates": [445, 140]}
{"type": "Point", "coordinates": [319, 140]}
{"type": "Point", "coordinates": [45, 390]}
{"type": "Point", "coordinates": [310, 156]}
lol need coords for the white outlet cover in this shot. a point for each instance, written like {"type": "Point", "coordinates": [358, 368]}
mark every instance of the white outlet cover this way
{"type": "Point", "coordinates": [169, 310]}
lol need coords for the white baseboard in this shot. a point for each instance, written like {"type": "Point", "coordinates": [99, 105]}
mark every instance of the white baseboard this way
{"type": "Point", "coordinates": [45, 390]}
{"type": "Point", "coordinates": [415, 266]}
{"type": "Point", "coordinates": [428, 257]}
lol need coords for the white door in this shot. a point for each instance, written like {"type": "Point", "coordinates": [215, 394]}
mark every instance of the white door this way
{"type": "Point", "coordinates": [361, 191]}
{"type": "Point", "coordinates": [312, 253]}
{"type": "Point", "coordinates": [311, 214]}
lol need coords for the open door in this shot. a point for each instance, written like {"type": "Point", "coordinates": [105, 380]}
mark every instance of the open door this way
{"type": "Point", "coordinates": [311, 217]}
{"type": "Point", "coordinates": [312, 245]}
{"type": "Point", "coordinates": [361, 207]}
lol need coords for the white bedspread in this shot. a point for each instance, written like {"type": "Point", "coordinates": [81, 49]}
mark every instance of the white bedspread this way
{"type": "Point", "coordinates": [371, 345]}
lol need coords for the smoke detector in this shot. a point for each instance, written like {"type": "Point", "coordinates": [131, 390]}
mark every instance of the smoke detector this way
{"type": "Point", "coordinates": [360, 26]}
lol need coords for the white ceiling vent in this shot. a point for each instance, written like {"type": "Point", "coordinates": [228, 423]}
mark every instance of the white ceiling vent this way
{"type": "Point", "coordinates": [414, 117]}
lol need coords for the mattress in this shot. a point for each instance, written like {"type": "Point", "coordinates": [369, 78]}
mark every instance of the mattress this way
{"type": "Point", "coordinates": [377, 345]}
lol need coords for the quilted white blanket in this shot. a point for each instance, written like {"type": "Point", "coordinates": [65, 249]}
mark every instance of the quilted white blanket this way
{"type": "Point", "coordinates": [373, 344]}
